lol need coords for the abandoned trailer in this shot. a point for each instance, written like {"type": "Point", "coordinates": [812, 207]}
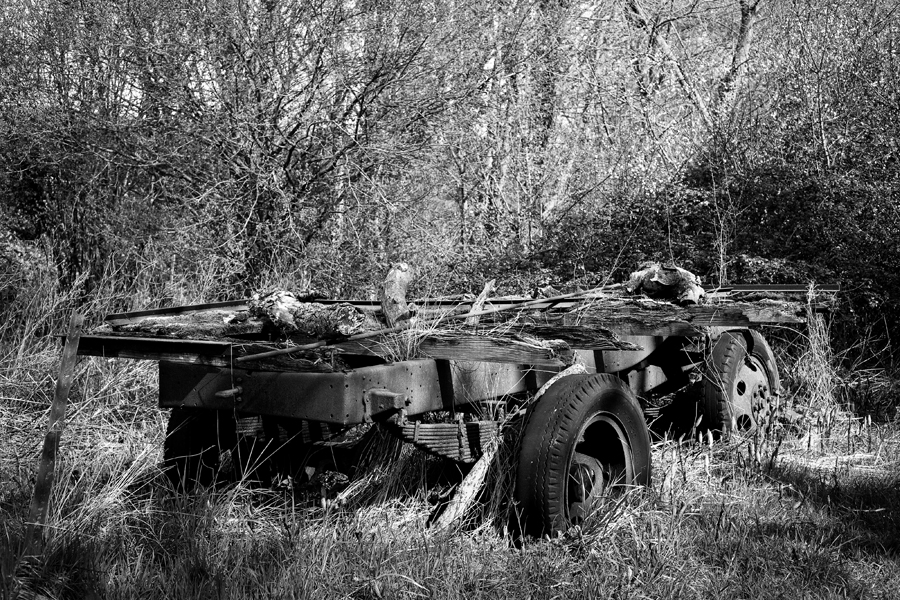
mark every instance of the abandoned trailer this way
{"type": "Point", "coordinates": [265, 384]}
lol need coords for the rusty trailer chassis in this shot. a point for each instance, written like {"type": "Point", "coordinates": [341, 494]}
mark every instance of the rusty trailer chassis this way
{"type": "Point", "coordinates": [195, 374]}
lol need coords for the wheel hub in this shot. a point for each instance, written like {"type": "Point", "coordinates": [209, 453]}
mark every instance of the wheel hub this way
{"type": "Point", "coordinates": [750, 395]}
{"type": "Point", "coordinates": [601, 458]}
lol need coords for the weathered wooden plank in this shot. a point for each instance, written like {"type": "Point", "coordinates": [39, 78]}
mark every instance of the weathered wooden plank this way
{"type": "Point", "coordinates": [392, 293]}
{"type": "Point", "coordinates": [111, 345]}
{"type": "Point", "coordinates": [312, 361]}
{"type": "Point", "coordinates": [134, 316]}
{"type": "Point", "coordinates": [444, 304]}
{"type": "Point", "coordinates": [369, 347]}
{"type": "Point", "coordinates": [211, 353]}
{"type": "Point", "coordinates": [197, 352]}
{"type": "Point", "coordinates": [396, 329]}
{"type": "Point", "coordinates": [459, 346]}
{"type": "Point", "coordinates": [202, 325]}
{"type": "Point", "coordinates": [790, 288]}
{"type": "Point", "coordinates": [670, 328]}
{"type": "Point", "coordinates": [544, 332]}
{"type": "Point", "coordinates": [646, 317]}
{"type": "Point", "coordinates": [478, 305]}
{"type": "Point", "coordinates": [583, 337]}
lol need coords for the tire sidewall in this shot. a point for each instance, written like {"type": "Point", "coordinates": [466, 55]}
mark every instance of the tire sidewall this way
{"type": "Point", "coordinates": [550, 437]}
{"type": "Point", "coordinates": [728, 354]}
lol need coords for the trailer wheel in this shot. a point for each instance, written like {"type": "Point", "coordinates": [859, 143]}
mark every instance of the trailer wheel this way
{"type": "Point", "coordinates": [193, 449]}
{"type": "Point", "coordinates": [583, 438]}
{"type": "Point", "coordinates": [741, 382]}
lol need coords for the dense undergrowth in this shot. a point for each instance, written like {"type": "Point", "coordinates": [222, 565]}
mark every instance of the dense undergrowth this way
{"type": "Point", "coordinates": [807, 509]}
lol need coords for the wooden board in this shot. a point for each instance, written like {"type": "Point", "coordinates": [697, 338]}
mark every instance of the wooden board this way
{"type": "Point", "coordinates": [212, 353]}
{"type": "Point", "coordinates": [135, 316]}
{"type": "Point", "coordinates": [198, 352]}
{"type": "Point", "coordinates": [493, 349]}
{"type": "Point", "coordinates": [636, 317]}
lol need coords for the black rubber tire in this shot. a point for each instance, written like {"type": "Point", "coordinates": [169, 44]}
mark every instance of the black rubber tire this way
{"type": "Point", "coordinates": [195, 442]}
{"type": "Point", "coordinates": [584, 426]}
{"type": "Point", "coordinates": [741, 382]}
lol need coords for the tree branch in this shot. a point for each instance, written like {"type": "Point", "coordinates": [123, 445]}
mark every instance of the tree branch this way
{"type": "Point", "coordinates": [638, 18]}
{"type": "Point", "coordinates": [726, 96]}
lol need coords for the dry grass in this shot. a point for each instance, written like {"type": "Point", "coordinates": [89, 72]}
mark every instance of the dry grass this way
{"type": "Point", "coordinates": [808, 511]}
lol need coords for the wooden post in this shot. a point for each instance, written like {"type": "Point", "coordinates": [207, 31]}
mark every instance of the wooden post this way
{"type": "Point", "coordinates": [392, 294]}
{"type": "Point", "coordinates": [40, 502]}
{"type": "Point", "coordinates": [478, 305]}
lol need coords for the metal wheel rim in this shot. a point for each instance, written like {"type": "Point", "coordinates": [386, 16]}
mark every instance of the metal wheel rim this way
{"type": "Point", "coordinates": [750, 393]}
{"type": "Point", "coordinates": [595, 467]}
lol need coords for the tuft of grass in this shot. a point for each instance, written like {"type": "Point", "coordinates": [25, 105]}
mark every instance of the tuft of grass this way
{"type": "Point", "coordinates": [816, 368]}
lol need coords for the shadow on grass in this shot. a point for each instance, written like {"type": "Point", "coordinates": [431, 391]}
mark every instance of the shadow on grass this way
{"type": "Point", "coordinates": [819, 542]}
{"type": "Point", "coordinates": [868, 507]}
{"type": "Point", "coordinates": [766, 560]}
{"type": "Point", "coordinates": [64, 568]}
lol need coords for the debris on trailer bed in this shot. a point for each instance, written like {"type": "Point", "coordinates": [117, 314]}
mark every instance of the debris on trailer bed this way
{"type": "Point", "coordinates": [275, 314]}
{"type": "Point", "coordinates": [542, 332]}
{"type": "Point", "coordinates": [669, 282]}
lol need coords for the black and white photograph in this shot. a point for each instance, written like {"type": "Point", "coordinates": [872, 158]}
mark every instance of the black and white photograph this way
{"type": "Point", "coordinates": [449, 299]}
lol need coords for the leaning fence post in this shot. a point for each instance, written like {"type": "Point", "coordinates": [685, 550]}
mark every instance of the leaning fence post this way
{"type": "Point", "coordinates": [37, 514]}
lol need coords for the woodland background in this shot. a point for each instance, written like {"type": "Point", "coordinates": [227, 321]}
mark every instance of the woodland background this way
{"type": "Point", "coordinates": [202, 150]}
{"type": "Point", "coordinates": [160, 152]}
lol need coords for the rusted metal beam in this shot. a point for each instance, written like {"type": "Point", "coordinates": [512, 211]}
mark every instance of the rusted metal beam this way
{"type": "Point", "coordinates": [345, 398]}
{"type": "Point", "coordinates": [338, 398]}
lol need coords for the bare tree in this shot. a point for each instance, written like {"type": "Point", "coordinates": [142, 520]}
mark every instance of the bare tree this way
{"type": "Point", "coordinates": [712, 113]}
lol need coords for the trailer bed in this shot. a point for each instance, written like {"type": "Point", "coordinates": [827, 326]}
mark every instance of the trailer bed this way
{"type": "Point", "coordinates": [546, 334]}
